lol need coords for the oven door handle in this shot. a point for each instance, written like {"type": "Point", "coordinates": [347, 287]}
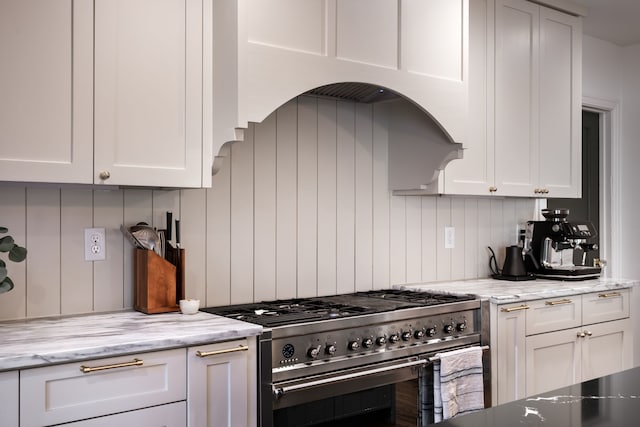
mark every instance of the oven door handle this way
{"type": "Point", "coordinates": [281, 391]}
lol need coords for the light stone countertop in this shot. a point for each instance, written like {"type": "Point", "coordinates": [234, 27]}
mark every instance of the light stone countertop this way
{"type": "Point", "coordinates": [504, 292]}
{"type": "Point", "coordinates": [37, 342]}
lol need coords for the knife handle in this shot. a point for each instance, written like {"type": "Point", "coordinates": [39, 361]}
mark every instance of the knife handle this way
{"type": "Point", "coordinates": [169, 223]}
{"type": "Point", "coordinates": [177, 233]}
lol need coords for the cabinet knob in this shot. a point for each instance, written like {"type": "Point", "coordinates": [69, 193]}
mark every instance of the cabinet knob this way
{"type": "Point", "coordinates": [493, 189]}
{"type": "Point", "coordinates": [104, 175]}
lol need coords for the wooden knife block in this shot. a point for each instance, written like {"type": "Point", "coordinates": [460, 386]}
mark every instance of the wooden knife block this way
{"type": "Point", "coordinates": [159, 284]}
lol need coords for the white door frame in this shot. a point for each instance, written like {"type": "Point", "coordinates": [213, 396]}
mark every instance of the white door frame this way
{"type": "Point", "coordinates": [609, 227]}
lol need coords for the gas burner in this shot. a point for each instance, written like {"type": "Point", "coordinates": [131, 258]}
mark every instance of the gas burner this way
{"type": "Point", "coordinates": [300, 310]}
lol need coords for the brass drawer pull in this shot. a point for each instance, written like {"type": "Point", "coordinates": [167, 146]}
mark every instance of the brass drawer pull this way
{"type": "Point", "coordinates": [87, 369]}
{"type": "Point", "coordinates": [610, 295]}
{"type": "Point", "coordinates": [227, 350]}
{"type": "Point", "coordinates": [510, 309]}
{"type": "Point", "coordinates": [559, 302]}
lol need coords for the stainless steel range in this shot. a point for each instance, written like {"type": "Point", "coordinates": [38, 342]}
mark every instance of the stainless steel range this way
{"type": "Point", "coordinates": [358, 357]}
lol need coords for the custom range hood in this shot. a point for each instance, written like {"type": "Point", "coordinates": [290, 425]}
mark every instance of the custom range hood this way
{"type": "Point", "coordinates": [410, 55]}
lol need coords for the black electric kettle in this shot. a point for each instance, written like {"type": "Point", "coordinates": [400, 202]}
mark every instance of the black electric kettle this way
{"type": "Point", "coordinates": [513, 267]}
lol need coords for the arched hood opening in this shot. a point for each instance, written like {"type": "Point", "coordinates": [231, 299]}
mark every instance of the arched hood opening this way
{"type": "Point", "coordinates": [418, 145]}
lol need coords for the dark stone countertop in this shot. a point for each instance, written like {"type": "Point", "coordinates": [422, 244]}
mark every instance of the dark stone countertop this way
{"type": "Point", "coordinates": [613, 400]}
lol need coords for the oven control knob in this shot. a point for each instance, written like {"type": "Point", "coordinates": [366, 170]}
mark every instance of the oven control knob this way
{"type": "Point", "coordinates": [431, 331]}
{"type": "Point", "coordinates": [406, 336]}
{"type": "Point", "coordinates": [461, 326]}
{"type": "Point", "coordinates": [394, 338]}
{"type": "Point", "coordinates": [313, 352]}
{"type": "Point", "coordinates": [367, 342]}
{"type": "Point", "coordinates": [419, 334]}
{"type": "Point", "coordinates": [381, 340]}
{"type": "Point", "coordinates": [448, 329]}
{"type": "Point", "coordinates": [354, 345]}
{"type": "Point", "coordinates": [330, 349]}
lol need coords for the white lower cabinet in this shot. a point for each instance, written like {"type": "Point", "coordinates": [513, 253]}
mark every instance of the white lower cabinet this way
{"type": "Point", "coordinates": [171, 415]}
{"type": "Point", "coordinates": [222, 381]}
{"type": "Point", "coordinates": [561, 358]}
{"type": "Point", "coordinates": [78, 391]}
{"type": "Point", "coordinates": [9, 404]}
{"type": "Point", "coordinates": [547, 344]}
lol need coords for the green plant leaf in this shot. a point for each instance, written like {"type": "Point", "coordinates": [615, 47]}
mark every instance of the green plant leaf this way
{"type": "Point", "coordinates": [4, 230]}
{"type": "Point", "coordinates": [3, 273]}
{"type": "Point", "coordinates": [6, 244]}
{"type": "Point", "coordinates": [17, 253]}
{"type": "Point", "coordinates": [6, 285]}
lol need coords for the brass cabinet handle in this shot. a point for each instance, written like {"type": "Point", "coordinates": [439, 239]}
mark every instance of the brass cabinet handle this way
{"type": "Point", "coordinates": [226, 350]}
{"type": "Point", "coordinates": [104, 175]}
{"type": "Point", "coordinates": [493, 189]}
{"type": "Point", "coordinates": [610, 295]}
{"type": "Point", "coordinates": [588, 333]}
{"type": "Point", "coordinates": [581, 334]}
{"type": "Point", "coordinates": [510, 309]}
{"type": "Point", "coordinates": [87, 369]}
{"type": "Point", "coordinates": [559, 302]}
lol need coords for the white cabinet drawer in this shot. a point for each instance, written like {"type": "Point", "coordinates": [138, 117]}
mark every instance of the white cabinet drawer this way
{"type": "Point", "coordinates": [553, 314]}
{"type": "Point", "coordinates": [63, 393]}
{"type": "Point", "coordinates": [605, 306]}
{"type": "Point", "coordinates": [171, 415]}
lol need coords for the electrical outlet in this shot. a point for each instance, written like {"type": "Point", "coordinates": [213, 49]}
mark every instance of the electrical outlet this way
{"type": "Point", "coordinates": [449, 237]}
{"type": "Point", "coordinates": [95, 247]}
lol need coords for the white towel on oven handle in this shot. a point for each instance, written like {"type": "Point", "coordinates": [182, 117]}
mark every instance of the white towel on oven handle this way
{"type": "Point", "coordinates": [458, 386]}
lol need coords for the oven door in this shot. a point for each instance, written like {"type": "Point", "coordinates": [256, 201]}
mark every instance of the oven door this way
{"type": "Point", "coordinates": [390, 393]}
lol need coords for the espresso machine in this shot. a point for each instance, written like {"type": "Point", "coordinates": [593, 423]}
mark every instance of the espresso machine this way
{"type": "Point", "coordinates": [557, 248]}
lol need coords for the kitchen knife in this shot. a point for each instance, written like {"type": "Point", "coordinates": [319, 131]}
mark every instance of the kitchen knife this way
{"type": "Point", "coordinates": [179, 272]}
{"type": "Point", "coordinates": [169, 223]}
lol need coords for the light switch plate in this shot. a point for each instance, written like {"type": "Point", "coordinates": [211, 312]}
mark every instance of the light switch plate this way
{"type": "Point", "coordinates": [95, 247]}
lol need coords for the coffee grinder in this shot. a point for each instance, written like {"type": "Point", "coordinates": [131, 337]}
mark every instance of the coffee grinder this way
{"type": "Point", "coordinates": [556, 248]}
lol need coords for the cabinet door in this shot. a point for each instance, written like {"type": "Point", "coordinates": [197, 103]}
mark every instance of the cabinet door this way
{"type": "Point", "coordinates": [607, 348]}
{"type": "Point", "coordinates": [9, 401]}
{"type": "Point", "coordinates": [516, 97]}
{"type": "Point", "coordinates": [553, 360]}
{"type": "Point", "coordinates": [148, 92]}
{"type": "Point", "coordinates": [46, 89]}
{"type": "Point", "coordinates": [510, 353]}
{"type": "Point", "coordinates": [560, 104]}
{"type": "Point", "coordinates": [171, 415]}
{"type": "Point", "coordinates": [474, 173]}
{"type": "Point", "coordinates": [218, 382]}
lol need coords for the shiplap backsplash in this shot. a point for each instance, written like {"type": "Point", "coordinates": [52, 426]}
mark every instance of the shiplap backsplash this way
{"type": "Point", "coordinates": [300, 208]}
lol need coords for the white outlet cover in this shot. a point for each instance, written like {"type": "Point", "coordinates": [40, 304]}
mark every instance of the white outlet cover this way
{"type": "Point", "coordinates": [449, 237]}
{"type": "Point", "coordinates": [95, 247]}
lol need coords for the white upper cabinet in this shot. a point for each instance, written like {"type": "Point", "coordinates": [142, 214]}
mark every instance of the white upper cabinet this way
{"type": "Point", "coordinates": [46, 90]}
{"type": "Point", "coordinates": [149, 92]}
{"type": "Point", "coordinates": [560, 136]}
{"type": "Point", "coordinates": [525, 104]}
{"type": "Point", "coordinates": [109, 92]}
{"type": "Point", "coordinates": [269, 51]}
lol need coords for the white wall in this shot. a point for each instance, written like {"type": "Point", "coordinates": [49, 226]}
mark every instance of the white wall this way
{"type": "Point", "coordinates": [612, 73]}
{"type": "Point", "coordinates": [300, 209]}
{"type": "Point", "coordinates": [629, 161]}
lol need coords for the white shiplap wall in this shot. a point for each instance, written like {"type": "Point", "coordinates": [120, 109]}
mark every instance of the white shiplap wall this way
{"type": "Point", "coordinates": [300, 208]}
